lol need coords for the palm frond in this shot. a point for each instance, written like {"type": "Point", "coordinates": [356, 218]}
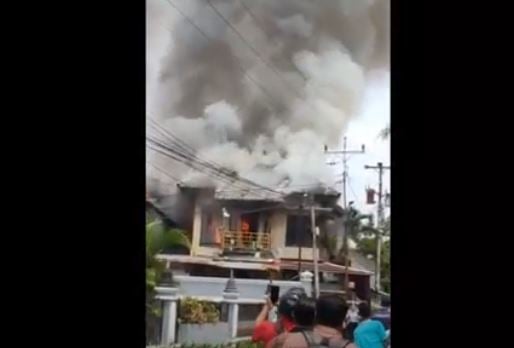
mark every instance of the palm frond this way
{"type": "Point", "coordinates": [329, 243]}
{"type": "Point", "coordinates": [158, 238]}
{"type": "Point", "coordinates": [175, 237]}
{"type": "Point", "coordinates": [369, 230]}
{"type": "Point", "coordinates": [385, 133]}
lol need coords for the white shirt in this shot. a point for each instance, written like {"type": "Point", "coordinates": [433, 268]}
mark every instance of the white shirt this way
{"type": "Point", "coordinates": [273, 314]}
{"type": "Point", "coordinates": [353, 315]}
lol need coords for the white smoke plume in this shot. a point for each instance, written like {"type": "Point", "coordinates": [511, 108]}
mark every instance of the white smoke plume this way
{"type": "Point", "coordinates": [266, 111]}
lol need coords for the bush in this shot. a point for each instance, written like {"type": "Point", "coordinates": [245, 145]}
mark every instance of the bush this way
{"type": "Point", "coordinates": [193, 311]}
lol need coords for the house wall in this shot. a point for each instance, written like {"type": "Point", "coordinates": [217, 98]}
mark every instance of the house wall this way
{"type": "Point", "coordinates": [278, 222]}
{"type": "Point", "coordinates": [278, 230]}
{"type": "Point", "coordinates": [278, 238]}
{"type": "Point", "coordinates": [362, 288]}
{"type": "Point", "coordinates": [197, 225]}
{"type": "Point", "coordinates": [196, 248]}
{"type": "Point", "coordinates": [360, 261]}
{"type": "Point", "coordinates": [236, 216]}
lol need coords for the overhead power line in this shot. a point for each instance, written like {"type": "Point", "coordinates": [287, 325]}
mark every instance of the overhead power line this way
{"type": "Point", "coordinates": [185, 155]}
{"type": "Point", "coordinates": [261, 27]}
{"type": "Point", "coordinates": [253, 49]}
{"type": "Point", "coordinates": [240, 65]}
{"type": "Point", "coordinates": [166, 151]}
{"type": "Point", "coordinates": [162, 171]}
{"type": "Point", "coordinates": [178, 142]}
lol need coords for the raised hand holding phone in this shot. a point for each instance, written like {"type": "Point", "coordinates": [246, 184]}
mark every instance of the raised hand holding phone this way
{"type": "Point", "coordinates": [273, 291]}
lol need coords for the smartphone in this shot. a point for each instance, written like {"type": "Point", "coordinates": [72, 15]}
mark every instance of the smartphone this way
{"type": "Point", "coordinates": [273, 291]}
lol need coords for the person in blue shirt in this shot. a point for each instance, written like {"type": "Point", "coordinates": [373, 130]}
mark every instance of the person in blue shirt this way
{"type": "Point", "coordinates": [369, 333]}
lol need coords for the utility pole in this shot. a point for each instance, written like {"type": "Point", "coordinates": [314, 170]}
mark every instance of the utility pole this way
{"type": "Point", "coordinates": [314, 249]}
{"type": "Point", "coordinates": [380, 220]}
{"type": "Point", "coordinates": [300, 235]}
{"type": "Point", "coordinates": [345, 152]}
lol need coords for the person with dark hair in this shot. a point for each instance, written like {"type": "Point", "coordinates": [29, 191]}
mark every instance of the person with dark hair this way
{"type": "Point", "coordinates": [330, 313]}
{"type": "Point", "coordinates": [370, 333]}
{"type": "Point", "coordinates": [304, 313]}
{"type": "Point", "coordinates": [266, 331]}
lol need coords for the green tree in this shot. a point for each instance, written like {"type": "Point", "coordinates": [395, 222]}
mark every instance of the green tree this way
{"type": "Point", "coordinates": [386, 267]}
{"type": "Point", "coordinates": [367, 245]}
{"type": "Point", "coordinates": [384, 229]}
{"type": "Point", "coordinates": [158, 239]}
{"type": "Point", "coordinates": [363, 234]}
{"type": "Point", "coordinates": [354, 227]}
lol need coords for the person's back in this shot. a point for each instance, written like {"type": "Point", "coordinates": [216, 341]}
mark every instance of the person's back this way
{"type": "Point", "coordinates": [303, 318]}
{"type": "Point", "coordinates": [330, 313]}
{"type": "Point", "coordinates": [369, 333]}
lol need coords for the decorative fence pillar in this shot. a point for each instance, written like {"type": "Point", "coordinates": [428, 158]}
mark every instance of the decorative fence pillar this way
{"type": "Point", "coordinates": [306, 280]}
{"type": "Point", "coordinates": [230, 296]}
{"type": "Point", "coordinates": [169, 297]}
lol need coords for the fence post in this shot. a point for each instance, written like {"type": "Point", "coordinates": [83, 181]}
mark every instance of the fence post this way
{"type": "Point", "coordinates": [230, 296]}
{"type": "Point", "coordinates": [306, 280]}
{"type": "Point", "coordinates": [169, 297]}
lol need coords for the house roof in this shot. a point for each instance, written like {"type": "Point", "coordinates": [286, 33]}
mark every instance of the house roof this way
{"type": "Point", "coordinates": [361, 260]}
{"type": "Point", "coordinates": [231, 193]}
{"type": "Point", "coordinates": [248, 195]}
{"type": "Point", "coordinates": [325, 191]}
{"type": "Point", "coordinates": [151, 203]}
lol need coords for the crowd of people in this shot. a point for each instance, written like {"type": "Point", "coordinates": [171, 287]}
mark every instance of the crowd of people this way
{"type": "Point", "coordinates": [302, 322]}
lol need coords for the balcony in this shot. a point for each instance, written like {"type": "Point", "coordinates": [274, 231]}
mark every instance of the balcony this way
{"type": "Point", "coordinates": [245, 241]}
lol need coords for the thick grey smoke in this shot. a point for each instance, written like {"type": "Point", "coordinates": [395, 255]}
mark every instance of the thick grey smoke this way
{"type": "Point", "coordinates": [267, 118]}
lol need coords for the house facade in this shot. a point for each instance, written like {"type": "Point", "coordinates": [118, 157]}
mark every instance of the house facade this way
{"type": "Point", "coordinates": [260, 235]}
{"type": "Point", "coordinates": [264, 225]}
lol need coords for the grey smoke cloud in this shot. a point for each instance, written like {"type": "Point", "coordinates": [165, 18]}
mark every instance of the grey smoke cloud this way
{"type": "Point", "coordinates": [198, 89]}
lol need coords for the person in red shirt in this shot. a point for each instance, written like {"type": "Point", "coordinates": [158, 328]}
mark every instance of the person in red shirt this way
{"type": "Point", "coordinates": [265, 331]}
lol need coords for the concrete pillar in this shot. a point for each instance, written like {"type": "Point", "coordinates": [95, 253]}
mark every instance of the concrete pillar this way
{"type": "Point", "coordinates": [260, 229]}
{"type": "Point", "coordinates": [306, 280]}
{"type": "Point", "coordinates": [169, 297]}
{"type": "Point", "coordinates": [197, 229]}
{"type": "Point", "coordinates": [230, 298]}
{"type": "Point", "coordinates": [262, 220]}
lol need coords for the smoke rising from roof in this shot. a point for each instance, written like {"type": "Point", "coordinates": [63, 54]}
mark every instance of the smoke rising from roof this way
{"type": "Point", "coordinates": [309, 57]}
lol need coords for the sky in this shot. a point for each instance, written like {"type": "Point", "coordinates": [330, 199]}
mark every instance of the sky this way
{"type": "Point", "coordinates": [364, 128]}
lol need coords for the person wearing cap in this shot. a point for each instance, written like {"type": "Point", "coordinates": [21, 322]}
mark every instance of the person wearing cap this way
{"type": "Point", "coordinates": [266, 331]}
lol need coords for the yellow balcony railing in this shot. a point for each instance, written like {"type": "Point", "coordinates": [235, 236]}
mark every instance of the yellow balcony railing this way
{"type": "Point", "coordinates": [245, 240]}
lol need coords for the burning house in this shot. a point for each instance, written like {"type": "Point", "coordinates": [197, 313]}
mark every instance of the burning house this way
{"type": "Point", "coordinates": [260, 235]}
{"type": "Point", "coordinates": [256, 100]}
{"type": "Point", "coordinates": [242, 97]}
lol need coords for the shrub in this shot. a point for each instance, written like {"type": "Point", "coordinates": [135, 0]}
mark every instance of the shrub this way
{"type": "Point", "coordinates": [193, 311]}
